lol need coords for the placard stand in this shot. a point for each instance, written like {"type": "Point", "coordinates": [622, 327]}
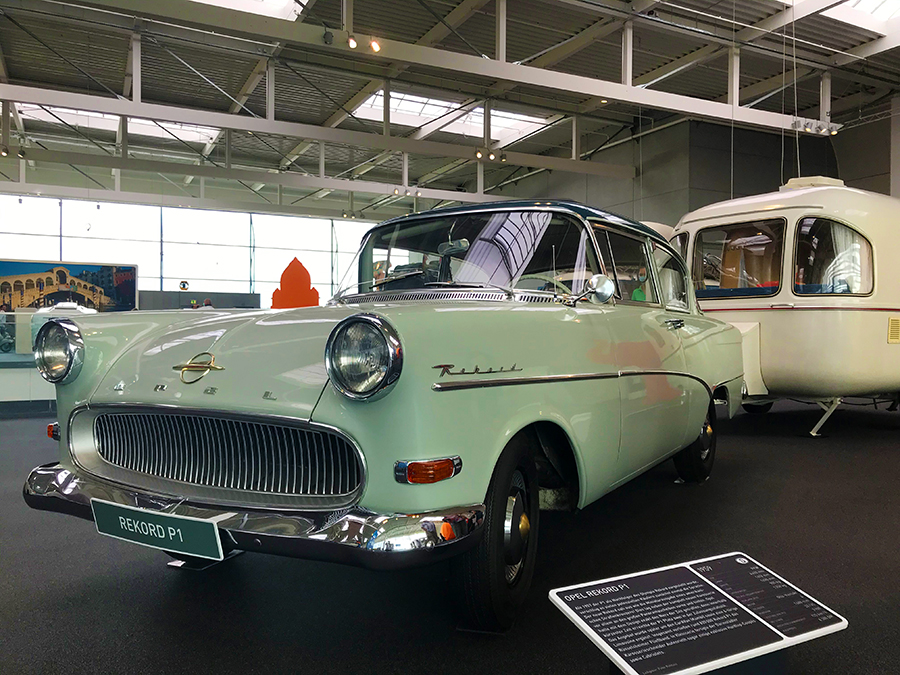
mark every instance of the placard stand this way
{"type": "Point", "coordinates": [727, 614]}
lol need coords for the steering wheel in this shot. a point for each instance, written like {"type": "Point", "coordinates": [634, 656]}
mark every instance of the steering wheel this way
{"type": "Point", "coordinates": [549, 279]}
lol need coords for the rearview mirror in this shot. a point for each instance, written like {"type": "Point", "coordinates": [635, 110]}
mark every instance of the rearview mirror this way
{"type": "Point", "coordinates": [454, 247]}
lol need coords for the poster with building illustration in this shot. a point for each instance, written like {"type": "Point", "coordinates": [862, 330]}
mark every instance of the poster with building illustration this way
{"type": "Point", "coordinates": [105, 288]}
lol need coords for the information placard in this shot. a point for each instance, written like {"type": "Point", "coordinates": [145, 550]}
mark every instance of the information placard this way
{"type": "Point", "coordinates": [694, 617]}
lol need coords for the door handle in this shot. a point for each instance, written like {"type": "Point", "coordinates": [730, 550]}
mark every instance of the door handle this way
{"type": "Point", "coordinates": [675, 324]}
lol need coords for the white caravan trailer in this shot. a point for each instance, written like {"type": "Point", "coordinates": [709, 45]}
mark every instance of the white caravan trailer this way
{"type": "Point", "coordinates": [811, 277]}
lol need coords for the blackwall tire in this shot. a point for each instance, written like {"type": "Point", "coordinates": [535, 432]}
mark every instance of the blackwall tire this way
{"type": "Point", "coordinates": [491, 581]}
{"type": "Point", "coordinates": [695, 462]}
{"type": "Point", "coordinates": [757, 408]}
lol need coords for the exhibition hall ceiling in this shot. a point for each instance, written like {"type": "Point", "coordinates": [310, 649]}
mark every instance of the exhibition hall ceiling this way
{"type": "Point", "coordinates": [283, 77]}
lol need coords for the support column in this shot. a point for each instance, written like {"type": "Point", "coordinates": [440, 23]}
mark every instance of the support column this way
{"type": "Point", "coordinates": [136, 67]}
{"type": "Point", "coordinates": [480, 185]}
{"type": "Point", "coordinates": [895, 146]}
{"type": "Point", "coordinates": [386, 95]}
{"type": "Point", "coordinates": [202, 187]}
{"type": "Point", "coordinates": [270, 90]}
{"type": "Point", "coordinates": [500, 32]}
{"type": "Point", "coordinates": [347, 15]}
{"type": "Point", "coordinates": [487, 124]}
{"type": "Point", "coordinates": [228, 148]}
{"type": "Point", "coordinates": [576, 137]}
{"type": "Point", "coordinates": [825, 98]}
{"type": "Point", "coordinates": [4, 124]}
{"type": "Point", "coordinates": [321, 159]}
{"type": "Point", "coordinates": [123, 135]}
{"type": "Point", "coordinates": [628, 53]}
{"type": "Point", "coordinates": [734, 76]}
{"type": "Point", "coordinates": [406, 169]}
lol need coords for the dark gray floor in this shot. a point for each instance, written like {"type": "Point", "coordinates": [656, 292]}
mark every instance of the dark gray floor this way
{"type": "Point", "coordinates": [823, 513]}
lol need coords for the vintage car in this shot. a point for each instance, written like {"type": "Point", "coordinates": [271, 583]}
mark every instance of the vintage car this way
{"type": "Point", "coordinates": [483, 362]}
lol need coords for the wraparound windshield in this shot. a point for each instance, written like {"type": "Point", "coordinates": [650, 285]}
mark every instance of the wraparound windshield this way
{"type": "Point", "coordinates": [526, 250]}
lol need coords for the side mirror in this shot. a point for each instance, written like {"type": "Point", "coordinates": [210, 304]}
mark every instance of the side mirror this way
{"type": "Point", "coordinates": [602, 288]}
{"type": "Point", "coordinates": [599, 285]}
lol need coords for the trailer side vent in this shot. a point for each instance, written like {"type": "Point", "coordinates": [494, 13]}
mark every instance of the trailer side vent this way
{"type": "Point", "coordinates": [894, 331]}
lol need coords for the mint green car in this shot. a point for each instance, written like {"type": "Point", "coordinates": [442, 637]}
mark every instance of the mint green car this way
{"type": "Point", "coordinates": [482, 364]}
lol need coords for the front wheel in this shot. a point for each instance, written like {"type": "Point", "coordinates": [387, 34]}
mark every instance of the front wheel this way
{"type": "Point", "coordinates": [695, 462]}
{"type": "Point", "coordinates": [492, 579]}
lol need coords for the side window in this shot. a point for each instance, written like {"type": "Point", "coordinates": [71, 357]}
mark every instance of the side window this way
{"type": "Point", "coordinates": [831, 258]}
{"type": "Point", "coordinates": [739, 260]}
{"type": "Point", "coordinates": [632, 269]}
{"type": "Point", "coordinates": [679, 243]}
{"type": "Point", "coordinates": [672, 281]}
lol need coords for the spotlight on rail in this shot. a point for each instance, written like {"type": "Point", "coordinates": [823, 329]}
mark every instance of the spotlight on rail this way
{"type": "Point", "coordinates": [328, 37]}
{"type": "Point", "coordinates": [396, 191]}
{"type": "Point", "coordinates": [479, 154]}
{"type": "Point", "coordinates": [351, 42]}
{"type": "Point", "coordinates": [374, 45]}
{"type": "Point", "coordinates": [492, 156]}
{"type": "Point", "coordinates": [4, 151]}
{"type": "Point", "coordinates": [21, 154]}
{"type": "Point", "coordinates": [503, 157]}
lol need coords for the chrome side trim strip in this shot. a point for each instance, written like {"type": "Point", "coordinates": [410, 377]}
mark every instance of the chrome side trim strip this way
{"type": "Point", "coordinates": [545, 379]}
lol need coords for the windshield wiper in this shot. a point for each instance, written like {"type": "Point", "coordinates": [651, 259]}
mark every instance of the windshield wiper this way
{"type": "Point", "coordinates": [510, 293]}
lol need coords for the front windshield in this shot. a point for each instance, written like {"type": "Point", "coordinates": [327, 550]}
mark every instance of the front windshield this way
{"type": "Point", "coordinates": [526, 250]}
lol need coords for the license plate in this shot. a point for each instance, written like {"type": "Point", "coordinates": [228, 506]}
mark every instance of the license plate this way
{"type": "Point", "coordinates": [180, 534]}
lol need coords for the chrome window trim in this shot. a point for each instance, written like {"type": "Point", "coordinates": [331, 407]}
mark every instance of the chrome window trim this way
{"type": "Point", "coordinates": [202, 493]}
{"type": "Point", "coordinates": [74, 349]}
{"type": "Point", "coordinates": [679, 261]}
{"type": "Point", "coordinates": [395, 357]}
{"type": "Point", "coordinates": [651, 268]}
{"type": "Point", "coordinates": [584, 222]}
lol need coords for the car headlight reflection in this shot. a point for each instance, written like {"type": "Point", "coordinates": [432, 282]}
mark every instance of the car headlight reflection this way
{"type": "Point", "coordinates": [59, 351]}
{"type": "Point", "coordinates": [363, 356]}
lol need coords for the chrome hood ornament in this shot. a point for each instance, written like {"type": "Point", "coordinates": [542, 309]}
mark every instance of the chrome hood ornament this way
{"type": "Point", "coordinates": [199, 365]}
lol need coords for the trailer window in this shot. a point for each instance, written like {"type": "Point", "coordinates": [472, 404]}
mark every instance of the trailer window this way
{"type": "Point", "coordinates": [743, 259]}
{"type": "Point", "coordinates": [831, 259]}
{"type": "Point", "coordinates": [679, 243]}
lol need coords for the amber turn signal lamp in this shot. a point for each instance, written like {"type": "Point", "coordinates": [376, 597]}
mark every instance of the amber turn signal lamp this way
{"type": "Point", "coordinates": [428, 471]}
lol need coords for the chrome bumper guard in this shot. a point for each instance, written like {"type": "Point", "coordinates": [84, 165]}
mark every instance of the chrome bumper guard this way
{"type": "Point", "coordinates": [353, 536]}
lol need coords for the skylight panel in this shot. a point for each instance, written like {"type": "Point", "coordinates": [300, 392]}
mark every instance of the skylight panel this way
{"type": "Point", "coordinates": [415, 111]}
{"type": "Point", "coordinates": [279, 9]}
{"type": "Point", "coordinates": [880, 9]}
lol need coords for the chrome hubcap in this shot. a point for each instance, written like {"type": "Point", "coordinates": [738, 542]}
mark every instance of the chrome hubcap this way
{"type": "Point", "coordinates": [516, 528]}
{"type": "Point", "coordinates": [706, 436]}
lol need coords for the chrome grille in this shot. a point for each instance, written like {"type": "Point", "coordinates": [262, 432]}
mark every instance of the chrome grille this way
{"type": "Point", "coordinates": [230, 453]}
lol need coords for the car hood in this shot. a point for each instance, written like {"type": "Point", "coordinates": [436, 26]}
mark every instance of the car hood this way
{"type": "Point", "coordinates": [270, 361]}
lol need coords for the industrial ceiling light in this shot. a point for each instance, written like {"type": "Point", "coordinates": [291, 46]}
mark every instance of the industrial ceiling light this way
{"type": "Point", "coordinates": [351, 42]}
{"type": "Point", "coordinates": [503, 157]}
{"type": "Point", "coordinates": [479, 154]}
{"type": "Point", "coordinates": [374, 45]}
{"type": "Point", "coordinates": [492, 156]}
{"type": "Point", "coordinates": [407, 193]}
{"type": "Point", "coordinates": [834, 131]}
{"type": "Point", "coordinates": [21, 153]}
{"type": "Point", "coordinates": [328, 37]}
{"type": "Point", "coordinates": [4, 151]}
{"type": "Point", "coordinates": [603, 101]}
{"type": "Point", "coordinates": [343, 214]}
{"type": "Point", "coordinates": [418, 193]}
{"type": "Point", "coordinates": [396, 191]}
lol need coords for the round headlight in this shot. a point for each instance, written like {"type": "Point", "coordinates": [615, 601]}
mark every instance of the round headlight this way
{"type": "Point", "coordinates": [363, 356]}
{"type": "Point", "coordinates": [59, 351]}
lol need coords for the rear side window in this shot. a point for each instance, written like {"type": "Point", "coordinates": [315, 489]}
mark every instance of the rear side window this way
{"type": "Point", "coordinates": [632, 269]}
{"type": "Point", "coordinates": [831, 259]}
{"type": "Point", "coordinates": [739, 260]}
{"type": "Point", "coordinates": [672, 282]}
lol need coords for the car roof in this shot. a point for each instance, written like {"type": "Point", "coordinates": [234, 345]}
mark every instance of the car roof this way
{"type": "Point", "coordinates": [562, 205]}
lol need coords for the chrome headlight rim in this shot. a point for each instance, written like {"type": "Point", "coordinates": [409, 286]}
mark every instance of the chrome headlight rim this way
{"type": "Point", "coordinates": [74, 350]}
{"type": "Point", "coordinates": [394, 352]}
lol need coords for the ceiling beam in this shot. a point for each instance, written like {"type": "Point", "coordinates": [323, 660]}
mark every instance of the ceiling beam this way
{"type": "Point", "coordinates": [220, 120]}
{"type": "Point", "coordinates": [289, 179]}
{"type": "Point", "coordinates": [461, 13]}
{"type": "Point", "coordinates": [891, 40]}
{"type": "Point", "coordinates": [771, 24]}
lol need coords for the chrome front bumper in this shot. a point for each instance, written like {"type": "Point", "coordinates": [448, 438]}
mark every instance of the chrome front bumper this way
{"type": "Point", "coordinates": [352, 536]}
